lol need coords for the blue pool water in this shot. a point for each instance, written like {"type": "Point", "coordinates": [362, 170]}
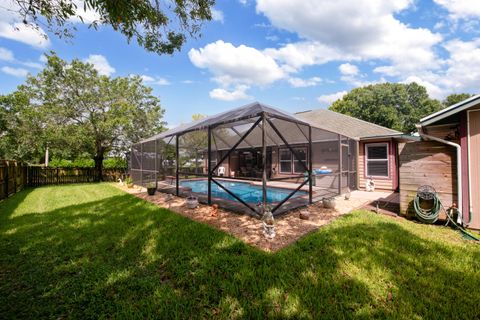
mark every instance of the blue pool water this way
{"type": "Point", "coordinates": [245, 191]}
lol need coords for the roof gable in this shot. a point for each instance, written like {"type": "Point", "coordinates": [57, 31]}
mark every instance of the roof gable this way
{"type": "Point", "coordinates": [456, 108]}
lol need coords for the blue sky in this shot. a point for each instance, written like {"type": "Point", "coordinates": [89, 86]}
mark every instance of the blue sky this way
{"type": "Point", "coordinates": [296, 55]}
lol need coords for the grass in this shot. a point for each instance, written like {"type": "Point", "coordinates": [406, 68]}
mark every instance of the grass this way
{"type": "Point", "coordinates": [92, 251]}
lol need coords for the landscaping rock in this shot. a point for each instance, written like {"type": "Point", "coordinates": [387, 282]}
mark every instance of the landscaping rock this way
{"type": "Point", "coordinates": [304, 215]}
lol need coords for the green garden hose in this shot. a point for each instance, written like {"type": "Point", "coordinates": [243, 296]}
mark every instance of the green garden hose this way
{"type": "Point", "coordinates": [431, 215]}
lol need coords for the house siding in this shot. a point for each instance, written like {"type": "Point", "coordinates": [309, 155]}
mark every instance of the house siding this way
{"type": "Point", "coordinates": [388, 183]}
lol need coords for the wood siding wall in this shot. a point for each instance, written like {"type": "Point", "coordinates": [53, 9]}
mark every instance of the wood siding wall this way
{"type": "Point", "coordinates": [389, 183]}
{"type": "Point", "coordinates": [426, 163]}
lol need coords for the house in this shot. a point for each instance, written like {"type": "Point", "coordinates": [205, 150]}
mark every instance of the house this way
{"type": "Point", "coordinates": [447, 158]}
{"type": "Point", "coordinates": [377, 146]}
{"type": "Point", "coordinates": [286, 159]}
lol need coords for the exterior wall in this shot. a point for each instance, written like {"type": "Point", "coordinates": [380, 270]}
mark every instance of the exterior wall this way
{"type": "Point", "coordinates": [426, 163]}
{"type": "Point", "coordinates": [390, 183]}
{"type": "Point", "coordinates": [323, 154]}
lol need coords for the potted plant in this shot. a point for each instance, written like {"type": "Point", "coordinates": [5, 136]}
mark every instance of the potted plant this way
{"type": "Point", "coordinates": [191, 202]}
{"type": "Point", "coordinates": [129, 182]}
{"type": "Point", "coordinates": [329, 203]}
{"type": "Point", "coordinates": [268, 223]}
{"type": "Point", "coordinates": [151, 188]}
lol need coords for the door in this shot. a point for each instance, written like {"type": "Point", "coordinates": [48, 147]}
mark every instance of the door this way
{"type": "Point", "coordinates": [474, 165]}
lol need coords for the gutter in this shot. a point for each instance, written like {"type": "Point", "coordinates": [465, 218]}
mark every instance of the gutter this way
{"type": "Point", "coordinates": [459, 167]}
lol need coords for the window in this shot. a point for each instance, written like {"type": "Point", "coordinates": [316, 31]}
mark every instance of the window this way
{"type": "Point", "coordinates": [377, 159]}
{"type": "Point", "coordinates": [291, 164]}
{"type": "Point", "coordinates": [302, 155]}
{"type": "Point", "coordinates": [285, 161]}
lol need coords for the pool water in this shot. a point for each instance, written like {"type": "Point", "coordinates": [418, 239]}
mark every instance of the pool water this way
{"type": "Point", "coordinates": [245, 191]}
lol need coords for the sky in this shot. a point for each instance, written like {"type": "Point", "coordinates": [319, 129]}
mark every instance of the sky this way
{"type": "Point", "coordinates": [294, 55]}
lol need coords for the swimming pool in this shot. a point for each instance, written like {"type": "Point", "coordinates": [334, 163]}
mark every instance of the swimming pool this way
{"type": "Point", "coordinates": [245, 191]}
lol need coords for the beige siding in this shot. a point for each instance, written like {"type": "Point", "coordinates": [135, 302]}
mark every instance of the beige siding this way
{"type": "Point", "coordinates": [380, 183]}
{"type": "Point", "coordinates": [474, 155]}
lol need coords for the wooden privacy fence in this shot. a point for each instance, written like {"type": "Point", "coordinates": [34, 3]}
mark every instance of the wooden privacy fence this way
{"type": "Point", "coordinates": [40, 176]}
{"type": "Point", "coordinates": [15, 176]}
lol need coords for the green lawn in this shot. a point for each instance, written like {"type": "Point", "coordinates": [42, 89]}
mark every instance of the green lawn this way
{"type": "Point", "coordinates": [92, 251]}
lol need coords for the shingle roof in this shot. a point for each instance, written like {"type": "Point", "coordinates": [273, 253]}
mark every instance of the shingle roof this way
{"type": "Point", "coordinates": [344, 125]}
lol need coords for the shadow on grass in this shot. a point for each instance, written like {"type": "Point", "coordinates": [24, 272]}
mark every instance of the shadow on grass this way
{"type": "Point", "coordinates": [122, 257]}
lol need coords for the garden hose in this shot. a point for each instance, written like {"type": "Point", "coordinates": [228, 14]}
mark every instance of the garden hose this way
{"type": "Point", "coordinates": [431, 215]}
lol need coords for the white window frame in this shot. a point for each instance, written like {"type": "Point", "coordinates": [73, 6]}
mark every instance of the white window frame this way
{"type": "Point", "coordinates": [379, 144]}
{"type": "Point", "coordinates": [280, 160]}
{"type": "Point", "coordinates": [292, 160]}
{"type": "Point", "coordinates": [295, 160]}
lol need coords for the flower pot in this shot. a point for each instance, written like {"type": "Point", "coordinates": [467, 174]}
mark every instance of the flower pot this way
{"type": "Point", "coordinates": [191, 202]}
{"type": "Point", "coordinates": [329, 203]}
{"type": "Point", "coordinates": [151, 191]}
{"type": "Point", "coordinates": [129, 185]}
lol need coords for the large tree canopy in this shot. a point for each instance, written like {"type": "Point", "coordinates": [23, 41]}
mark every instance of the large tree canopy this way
{"type": "Point", "coordinates": [392, 105]}
{"type": "Point", "coordinates": [455, 98]}
{"type": "Point", "coordinates": [158, 26]}
{"type": "Point", "coordinates": [76, 112]}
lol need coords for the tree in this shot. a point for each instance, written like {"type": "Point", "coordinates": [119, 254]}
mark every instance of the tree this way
{"type": "Point", "coordinates": [392, 105]}
{"type": "Point", "coordinates": [455, 98]}
{"type": "Point", "coordinates": [157, 26]}
{"type": "Point", "coordinates": [77, 112]}
{"type": "Point", "coordinates": [193, 143]}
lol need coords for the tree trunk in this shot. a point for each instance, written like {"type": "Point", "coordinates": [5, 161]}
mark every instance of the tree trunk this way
{"type": "Point", "coordinates": [98, 167]}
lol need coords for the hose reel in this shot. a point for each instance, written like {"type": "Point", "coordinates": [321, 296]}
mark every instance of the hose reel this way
{"type": "Point", "coordinates": [425, 194]}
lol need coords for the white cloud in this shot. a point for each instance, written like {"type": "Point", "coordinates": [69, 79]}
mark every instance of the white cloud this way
{"type": "Point", "coordinates": [157, 80]}
{"type": "Point", "coordinates": [87, 14]}
{"type": "Point", "coordinates": [348, 69]}
{"type": "Point", "coordinates": [458, 75]}
{"type": "Point", "coordinates": [12, 27]}
{"type": "Point", "coordinates": [101, 64]}
{"type": "Point", "coordinates": [461, 9]}
{"type": "Point", "coordinates": [25, 34]}
{"type": "Point", "coordinates": [16, 72]}
{"type": "Point", "coordinates": [240, 65]}
{"type": "Point", "coordinates": [226, 95]}
{"type": "Point", "coordinates": [6, 55]}
{"type": "Point", "coordinates": [43, 58]}
{"type": "Point", "coordinates": [302, 83]}
{"type": "Point", "coordinates": [217, 15]}
{"type": "Point", "coordinates": [306, 53]}
{"type": "Point", "coordinates": [331, 98]}
{"type": "Point", "coordinates": [351, 30]}
{"type": "Point", "coordinates": [33, 65]}
{"type": "Point", "coordinates": [188, 81]}
{"type": "Point", "coordinates": [433, 90]}
{"type": "Point", "coordinates": [273, 38]}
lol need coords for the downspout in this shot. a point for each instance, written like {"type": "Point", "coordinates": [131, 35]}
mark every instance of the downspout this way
{"type": "Point", "coordinates": [459, 167]}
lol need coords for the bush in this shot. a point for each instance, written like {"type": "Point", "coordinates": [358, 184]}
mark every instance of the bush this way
{"type": "Point", "coordinates": [109, 163]}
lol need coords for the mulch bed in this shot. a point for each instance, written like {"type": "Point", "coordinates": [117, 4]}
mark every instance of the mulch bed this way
{"type": "Point", "coordinates": [289, 227]}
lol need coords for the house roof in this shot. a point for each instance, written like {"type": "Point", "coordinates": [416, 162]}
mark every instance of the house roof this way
{"type": "Point", "coordinates": [244, 112]}
{"type": "Point", "coordinates": [345, 125]}
{"type": "Point", "coordinates": [456, 108]}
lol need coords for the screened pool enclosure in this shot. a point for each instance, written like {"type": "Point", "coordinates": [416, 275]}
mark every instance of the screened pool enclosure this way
{"type": "Point", "coordinates": [248, 159]}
